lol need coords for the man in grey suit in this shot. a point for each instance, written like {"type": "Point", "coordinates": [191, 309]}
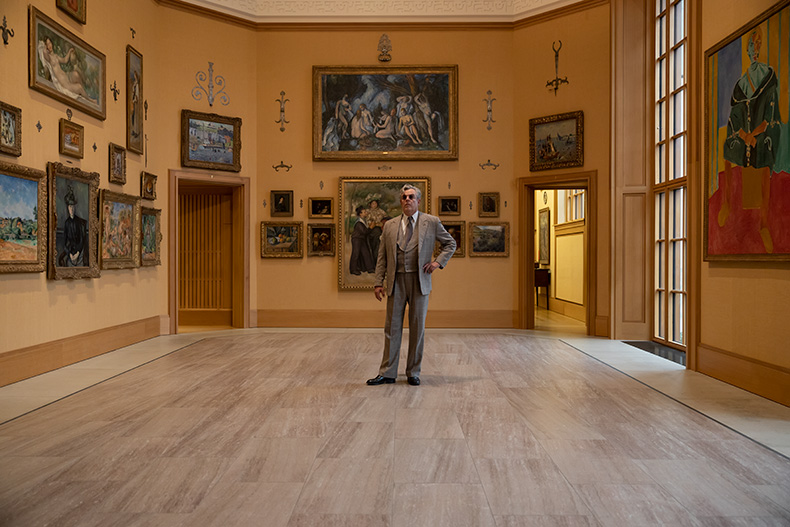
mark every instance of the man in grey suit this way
{"type": "Point", "coordinates": [406, 261]}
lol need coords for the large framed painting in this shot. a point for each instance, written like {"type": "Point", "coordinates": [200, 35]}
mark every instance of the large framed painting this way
{"type": "Point", "coordinates": [210, 141]}
{"type": "Point", "coordinates": [23, 219]}
{"type": "Point", "coordinates": [747, 142]}
{"type": "Point", "coordinates": [489, 239]}
{"type": "Point", "coordinates": [134, 100]}
{"type": "Point", "coordinates": [10, 129]}
{"type": "Point", "coordinates": [405, 112]}
{"type": "Point", "coordinates": [73, 223]}
{"type": "Point", "coordinates": [544, 236]}
{"type": "Point", "coordinates": [65, 67]}
{"type": "Point", "coordinates": [281, 239]}
{"type": "Point", "coordinates": [76, 9]}
{"type": "Point", "coordinates": [365, 205]}
{"type": "Point", "coordinates": [556, 141]}
{"type": "Point", "coordinates": [150, 236]}
{"type": "Point", "coordinates": [120, 230]}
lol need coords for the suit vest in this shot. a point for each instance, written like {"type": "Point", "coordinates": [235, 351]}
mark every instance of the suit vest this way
{"type": "Point", "coordinates": [407, 259]}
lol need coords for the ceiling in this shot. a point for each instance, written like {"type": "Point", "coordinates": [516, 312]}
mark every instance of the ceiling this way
{"type": "Point", "coordinates": [322, 11]}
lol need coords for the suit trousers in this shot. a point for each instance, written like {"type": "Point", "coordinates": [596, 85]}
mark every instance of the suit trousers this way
{"type": "Point", "coordinates": [406, 291]}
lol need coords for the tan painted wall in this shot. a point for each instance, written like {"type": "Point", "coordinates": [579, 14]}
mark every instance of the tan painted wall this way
{"type": "Point", "coordinates": [485, 62]}
{"type": "Point", "coordinates": [744, 305]}
{"type": "Point", "coordinates": [175, 45]}
{"type": "Point", "coordinates": [584, 59]}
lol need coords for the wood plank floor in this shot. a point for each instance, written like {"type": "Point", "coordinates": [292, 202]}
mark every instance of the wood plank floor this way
{"type": "Point", "coordinates": [277, 428]}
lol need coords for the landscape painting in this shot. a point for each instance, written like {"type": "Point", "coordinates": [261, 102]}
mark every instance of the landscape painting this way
{"type": "Point", "coordinates": [210, 141]}
{"type": "Point", "coordinates": [407, 112]}
{"type": "Point", "coordinates": [23, 219]}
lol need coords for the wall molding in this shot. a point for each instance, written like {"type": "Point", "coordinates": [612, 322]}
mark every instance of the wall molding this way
{"type": "Point", "coordinates": [766, 380]}
{"type": "Point", "coordinates": [437, 318]}
{"type": "Point", "coordinates": [23, 363]}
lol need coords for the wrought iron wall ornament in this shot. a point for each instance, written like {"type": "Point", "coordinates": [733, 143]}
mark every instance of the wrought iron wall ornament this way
{"type": "Point", "coordinates": [301, 203]}
{"type": "Point", "coordinates": [115, 91]}
{"type": "Point", "coordinates": [69, 113]}
{"type": "Point", "coordinates": [283, 121]}
{"type": "Point", "coordinates": [489, 102]}
{"type": "Point", "coordinates": [145, 105]}
{"type": "Point", "coordinates": [321, 185]}
{"type": "Point", "coordinates": [7, 32]}
{"type": "Point", "coordinates": [385, 46]}
{"type": "Point", "coordinates": [133, 31]}
{"type": "Point", "coordinates": [38, 126]}
{"type": "Point", "coordinates": [557, 81]}
{"type": "Point", "coordinates": [95, 147]}
{"type": "Point", "coordinates": [489, 164]}
{"type": "Point", "coordinates": [282, 165]}
{"type": "Point", "coordinates": [199, 90]}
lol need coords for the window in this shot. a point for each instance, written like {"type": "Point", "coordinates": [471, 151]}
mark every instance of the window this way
{"type": "Point", "coordinates": [570, 205]}
{"type": "Point", "coordinates": [669, 182]}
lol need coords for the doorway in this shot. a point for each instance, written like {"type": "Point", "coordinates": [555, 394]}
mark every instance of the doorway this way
{"type": "Point", "coordinates": [209, 252]}
{"type": "Point", "coordinates": [527, 213]}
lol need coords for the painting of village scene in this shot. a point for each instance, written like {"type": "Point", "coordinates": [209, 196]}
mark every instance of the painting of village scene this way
{"type": "Point", "coordinates": [366, 204]}
{"type": "Point", "coordinates": [120, 230]}
{"type": "Point", "coordinates": [210, 141]}
{"type": "Point", "coordinates": [23, 221]}
{"type": "Point", "coordinates": [556, 141]}
{"type": "Point", "coordinates": [385, 113]}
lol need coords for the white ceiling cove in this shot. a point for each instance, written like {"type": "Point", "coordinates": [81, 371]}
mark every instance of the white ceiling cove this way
{"type": "Point", "coordinates": [305, 11]}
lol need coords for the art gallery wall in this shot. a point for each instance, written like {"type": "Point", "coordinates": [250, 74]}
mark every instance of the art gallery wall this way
{"type": "Point", "coordinates": [743, 334]}
{"type": "Point", "coordinates": [175, 45]}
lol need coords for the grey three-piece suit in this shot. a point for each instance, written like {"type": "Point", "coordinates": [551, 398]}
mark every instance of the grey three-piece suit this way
{"type": "Point", "coordinates": [399, 271]}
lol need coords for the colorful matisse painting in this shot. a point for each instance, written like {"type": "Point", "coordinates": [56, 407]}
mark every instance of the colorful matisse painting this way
{"type": "Point", "coordinates": [747, 206]}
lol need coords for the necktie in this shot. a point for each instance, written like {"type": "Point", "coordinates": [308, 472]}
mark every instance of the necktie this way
{"type": "Point", "coordinates": [407, 235]}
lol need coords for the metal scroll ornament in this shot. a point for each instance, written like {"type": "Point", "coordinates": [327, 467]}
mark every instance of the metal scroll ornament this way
{"type": "Point", "coordinates": [385, 46]}
{"type": "Point", "coordinates": [199, 90]}
{"type": "Point", "coordinates": [557, 81]}
{"type": "Point", "coordinates": [283, 121]}
{"type": "Point", "coordinates": [490, 110]}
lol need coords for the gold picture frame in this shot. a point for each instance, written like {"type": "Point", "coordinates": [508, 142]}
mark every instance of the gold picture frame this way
{"type": "Point", "coordinates": [117, 162]}
{"type": "Point", "coordinates": [556, 141]}
{"type": "Point", "coordinates": [488, 204]}
{"type": "Point", "coordinates": [119, 236]}
{"type": "Point", "coordinates": [71, 139]}
{"type": "Point", "coordinates": [23, 247]}
{"type": "Point", "coordinates": [320, 239]}
{"type": "Point", "coordinates": [489, 239]}
{"type": "Point", "coordinates": [281, 239]}
{"type": "Point", "coordinates": [150, 236]}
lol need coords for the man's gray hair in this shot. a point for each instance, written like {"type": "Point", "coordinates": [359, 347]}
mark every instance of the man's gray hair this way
{"type": "Point", "coordinates": [409, 186]}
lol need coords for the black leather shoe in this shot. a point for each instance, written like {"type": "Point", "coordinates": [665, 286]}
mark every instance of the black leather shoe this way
{"type": "Point", "coordinates": [379, 379]}
{"type": "Point", "coordinates": [414, 381]}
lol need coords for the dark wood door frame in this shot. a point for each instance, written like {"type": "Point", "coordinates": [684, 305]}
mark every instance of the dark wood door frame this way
{"type": "Point", "coordinates": [526, 277]}
{"type": "Point", "coordinates": [240, 242]}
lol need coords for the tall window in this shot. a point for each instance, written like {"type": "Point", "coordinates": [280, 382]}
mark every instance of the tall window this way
{"type": "Point", "coordinates": [669, 183]}
{"type": "Point", "coordinates": [570, 205]}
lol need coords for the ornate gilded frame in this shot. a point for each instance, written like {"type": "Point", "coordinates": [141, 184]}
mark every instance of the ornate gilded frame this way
{"type": "Point", "coordinates": [567, 150]}
{"type": "Point", "coordinates": [120, 224]}
{"type": "Point", "coordinates": [25, 188]}
{"type": "Point", "coordinates": [281, 239]}
{"type": "Point", "coordinates": [489, 238]}
{"type": "Point", "coordinates": [150, 236]}
{"type": "Point", "coordinates": [192, 150]}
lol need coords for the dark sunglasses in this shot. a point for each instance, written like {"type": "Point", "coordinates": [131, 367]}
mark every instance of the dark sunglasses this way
{"type": "Point", "coordinates": [408, 196]}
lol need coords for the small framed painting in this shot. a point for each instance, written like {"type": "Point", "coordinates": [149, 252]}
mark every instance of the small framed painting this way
{"type": "Point", "coordinates": [282, 203]}
{"type": "Point", "coordinates": [134, 100]}
{"type": "Point", "coordinates": [23, 219]}
{"type": "Point", "coordinates": [210, 141]}
{"type": "Point", "coordinates": [150, 236]}
{"type": "Point", "coordinates": [320, 239]}
{"type": "Point", "coordinates": [488, 204]}
{"type": "Point", "coordinates": [71, 139]}
{"type": "Point", "coordinates": [556, 141]}
{"type": "Point", "coordinates": [117, 164]}
{"type": "Point", "coordinates": [457, 230]}
{"type": "Point", "coordinates": [10, 129]}
{"type": "Point", "coordinates": [120, 230]}
{"type": "Point", "coordinates": [449, 205]}
{"type": "Point", "coordinates": [281, 239]}
{"type": "Point", "coordinates": [544, 238]}
{"type": "Point", "coordinates": [147, 185]}
{"type": "Point", "coordinates": [73, 222]}
{"type": "Point", "coordinates": [76, 9]}
{"type": "Point", "coordinates": [320, 207]}
{"type": "Point", "coordinates": [489, 239]}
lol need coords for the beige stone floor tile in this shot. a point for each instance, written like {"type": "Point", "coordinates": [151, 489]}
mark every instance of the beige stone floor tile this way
{"type": "Point", "coordinates": [546, 521]}
{"type": "Point", "coordinates": [275, 460]}
{"type": "Point", "coordinates": [427, 423]}
{"type": "Point", "coordinates": [13, 406]}
{"type": "Point", "coordinates": [340, 520]}
{"type": "Point", "coordinates": [296, 422]}
{"type": "Point", "coordinates": [347, 486]}
{"type": "Point", "coordinates": [526, 487]}
{"type": "Point", "coordinates": [358, 440]}
{"type": "Point", "coordinates": [629, 505]}
{"type": "Point", "coordinates": [433, 461]}
{"type": "Point", "coordinates": [440, 505]}
{"type": "Point", "coordinates": [240, 504]}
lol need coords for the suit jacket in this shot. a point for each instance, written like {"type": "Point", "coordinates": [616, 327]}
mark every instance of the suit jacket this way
{"type": "Point", "coordinates": [429, 230]}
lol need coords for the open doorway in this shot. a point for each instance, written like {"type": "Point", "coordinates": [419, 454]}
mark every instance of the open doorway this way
{"type": "Point", "coordinates": [209, 252]}
{"type": "Point", "coordinates": [529, 219]}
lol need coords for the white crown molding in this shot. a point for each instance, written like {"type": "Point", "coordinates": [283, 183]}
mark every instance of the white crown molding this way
{"type": "Point", "coordinates": [322, 11]}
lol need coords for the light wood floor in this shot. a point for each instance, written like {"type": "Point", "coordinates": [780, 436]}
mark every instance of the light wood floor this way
{"type": "Point", "coordinates": [277, 428]}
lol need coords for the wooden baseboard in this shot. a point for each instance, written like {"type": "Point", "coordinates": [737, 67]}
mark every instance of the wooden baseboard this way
{"type": "Point", "coordinates": [205, 317]}
{"type": "Point", "coordinates": [601, 326]}
{"type": "Point", "coordinates": [569, 309]}
{"type": "Point", "coordinates": [297, 318]}
{"type": "Point", "coordinates": [766, 380]}
{"type": "Point", "coordinates": [23, 363]}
